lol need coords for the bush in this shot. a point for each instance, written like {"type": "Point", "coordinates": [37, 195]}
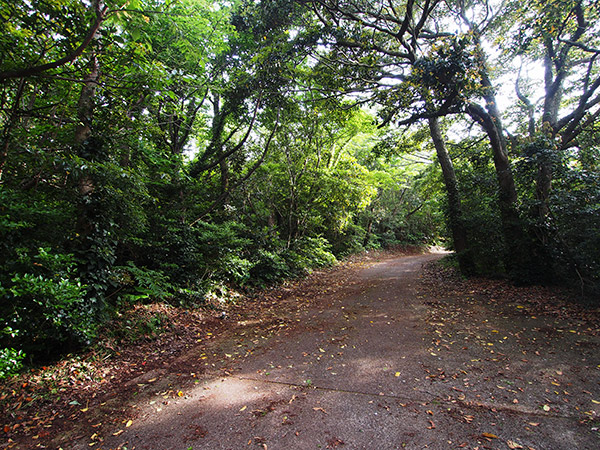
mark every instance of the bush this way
{"type": "Point", "coordinates": [313, 252]}
{"type": "Point", "coordinates": [47, 306]}
{"type": "Point", "coordinates": [272, 266]}
{"type": "Point", "coordinates": [136, 284]}
{"type": "Point", "coordinates": [269, 267]}
{"type": "Point", "coordinates": [10, 362]}
{"type": "Point", "coordinates": [10, 359]}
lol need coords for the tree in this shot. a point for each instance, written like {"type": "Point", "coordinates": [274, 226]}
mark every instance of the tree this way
{"type": "Point", "coordinates": [398, 55]}
{"type": "Point", "coordinates": [563, 37]}
{"type": "Point", "coordinates": [455, 213]}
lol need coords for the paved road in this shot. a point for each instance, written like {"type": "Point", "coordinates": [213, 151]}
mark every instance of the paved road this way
{"type": "Point", "coordinates": [355, 373]}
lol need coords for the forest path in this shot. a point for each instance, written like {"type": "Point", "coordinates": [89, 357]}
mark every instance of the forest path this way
{"type": "Point", "coordinates": [384, 365]}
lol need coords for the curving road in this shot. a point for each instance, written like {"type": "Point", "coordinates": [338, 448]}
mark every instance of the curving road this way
{"type": "Point", "coordinates": [356, 372]}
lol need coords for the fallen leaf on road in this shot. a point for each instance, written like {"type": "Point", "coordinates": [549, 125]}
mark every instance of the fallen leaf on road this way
{"type": "Point", "coordinates": [129, 423]}
{"type": "Point", "coordinates": [513, 445]}
{"type": "Point", "coordinates": [320, 409]}
{"type": "Point", "coordinates": [243, 408]}
{"type": "Point", "coordinates": [489, 435]}
{"type": "Point", "coordinates": [332, 443]}
{"type": "Point", "coordinates": [432, 425]}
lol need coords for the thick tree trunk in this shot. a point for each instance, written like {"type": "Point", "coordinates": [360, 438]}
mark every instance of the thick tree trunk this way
{"type": "Point", "coordinates": [518, 258]}
{"type": "Point", "coordinates": [85, 114]}
{"type": "Point", "coordinates": [459, 232]}
{"type": "Point", "coordinates": [87, 149]}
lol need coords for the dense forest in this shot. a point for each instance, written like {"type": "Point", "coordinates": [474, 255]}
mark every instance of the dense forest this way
{"type": "Point", "coordinates": [183, 150]}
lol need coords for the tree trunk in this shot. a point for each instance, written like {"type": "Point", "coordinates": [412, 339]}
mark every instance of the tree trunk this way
{"type": "Point", "coordinates": [459, 232]}
{"type": "Point", "coordinates": [85, 114]}
{"type": "Point", "coordinates": [369, 227]}
{"type": "Point", "coordinates": [8, 126]}
{"type": "Point", "coordinates": [552, 100]}
{"type": "Point", "coordinates": [518, 259]}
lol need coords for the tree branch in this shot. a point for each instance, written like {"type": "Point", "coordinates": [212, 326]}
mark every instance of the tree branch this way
{"type": "Point", "coordinates": [251, 171]}
{"type": "Point", "coordinates": [35, 70]}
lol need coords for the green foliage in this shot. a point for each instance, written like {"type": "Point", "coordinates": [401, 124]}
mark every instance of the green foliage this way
{"type": "Point", "coordinates": [269, 267]}
{"type": "Point", "coordinates": [568, 236]}
{"type": "Point", "coordinates": [480, 217]}
{"type": "Point", "coordinates": [10, 359]}
{"type": "Point", "coordinates": [278, 264]}
{"type": "Point", "coordinates": [212, 154]}
{"type": "Point", "coordinates": [46, 305]}
{"type": "Point", "coordinates": [142, 185]}
{"type": "Point", "coordinates": [10, 362]}
{"type": "Point", "coordinates": [136, 284]}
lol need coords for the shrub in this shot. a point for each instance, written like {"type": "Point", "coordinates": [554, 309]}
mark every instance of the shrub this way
{"type": "Point", "coordinates": [47, 306]}
{"type": "Point", "coordinates": [136, 284]}
{"type": "Point", "coordinates": [269, 267]}
{"type": "Point", "coordinates": [10, 359]}
{"type": "Point", "coordinates": [10, 362]}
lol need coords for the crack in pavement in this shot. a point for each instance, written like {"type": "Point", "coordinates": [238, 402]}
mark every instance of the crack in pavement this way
{"type": "Point", "coordinates": [329, 389]}
{"type": "Point", "coordinates": [432, 398]}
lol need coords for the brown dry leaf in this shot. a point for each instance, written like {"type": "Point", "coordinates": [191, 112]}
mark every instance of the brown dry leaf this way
{"type": "Point", "coordinates": [513, 444]}
{"type": "Point", "coordinates": [129, 423]}
{"type": "Point", "coordinates": [489, 435]}
{"type": "Point", "coordinates": [432, 425]}
{"type": "Point", "coordinates": [320, 409]}
{"type": "Point", "coordinates": [118, 432]}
